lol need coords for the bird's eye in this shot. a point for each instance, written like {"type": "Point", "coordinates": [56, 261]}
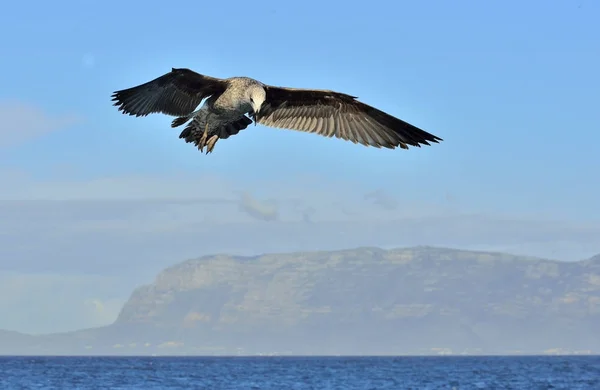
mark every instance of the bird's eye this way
{"type": "Point", "coordinates": [252, 100]}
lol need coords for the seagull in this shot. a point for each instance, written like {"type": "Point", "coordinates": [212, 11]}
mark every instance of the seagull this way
{"type": "Point", "coordinates": [232, 104]}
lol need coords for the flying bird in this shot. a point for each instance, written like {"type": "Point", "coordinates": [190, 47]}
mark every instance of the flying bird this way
{"type": "Point", "coordinates": [233, 103]}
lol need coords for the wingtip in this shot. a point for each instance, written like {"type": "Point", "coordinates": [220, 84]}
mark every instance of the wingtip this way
{"type": "Point", "coordinates": [120, 104]}
{"type": "Point", "coordinates": [116, 99]}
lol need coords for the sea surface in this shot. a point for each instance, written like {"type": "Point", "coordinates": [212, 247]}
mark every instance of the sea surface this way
{"type": "Point", "coordinates": [215, 373]}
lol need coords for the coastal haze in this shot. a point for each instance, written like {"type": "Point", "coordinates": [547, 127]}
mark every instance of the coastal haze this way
{"type": "Point", "coordinates": [95, 204]}
{"type": "Point", "coordinates": [365, 301]}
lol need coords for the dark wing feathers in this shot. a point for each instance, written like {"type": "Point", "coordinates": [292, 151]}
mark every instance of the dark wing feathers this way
{"type": "Point", "coordinates": [330, 113]}
{"type": "Point", "coordinates": [176, 93]}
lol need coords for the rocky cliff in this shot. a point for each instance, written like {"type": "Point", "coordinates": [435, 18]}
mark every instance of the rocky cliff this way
{"type": "Point", "coordinates": [363, 301]}
{"type": "Point", "coordinates": [375, 301]}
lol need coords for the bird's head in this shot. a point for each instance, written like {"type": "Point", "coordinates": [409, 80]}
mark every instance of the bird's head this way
{"type": "Point", "coordinates": [256, 96]}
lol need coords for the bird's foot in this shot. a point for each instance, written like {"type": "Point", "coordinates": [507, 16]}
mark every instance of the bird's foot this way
{"type": "Point", "coordinates": [210, 144]}
{"type": "Point", "coordinates": [202, 141]}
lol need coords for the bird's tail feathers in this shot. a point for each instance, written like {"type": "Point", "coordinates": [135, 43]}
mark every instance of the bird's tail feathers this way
{"type": "Point", "coordinates": [196, 127]}
{"type": "Point", "coordinates": [179, 121]}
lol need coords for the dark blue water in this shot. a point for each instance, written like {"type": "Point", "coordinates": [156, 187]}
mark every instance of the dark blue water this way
{"type": "Point", "coordinates": [577, 372]}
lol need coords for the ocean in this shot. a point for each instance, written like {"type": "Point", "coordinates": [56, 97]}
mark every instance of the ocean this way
{"type": "Point", "coordinates": [283, 373]}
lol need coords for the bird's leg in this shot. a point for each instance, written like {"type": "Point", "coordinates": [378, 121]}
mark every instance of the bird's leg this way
{"type": "Point", "coordinates": [202, 140]}
{"type": "Point", "coordinates": [210, 144]}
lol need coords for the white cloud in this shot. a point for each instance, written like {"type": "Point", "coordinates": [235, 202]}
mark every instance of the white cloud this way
{"type": "Point", "coordinates": [21, 122]}
{"type": "Point", "coordinates": [262, 210]}
{"type": "Point", "coordinates": [382, 199]}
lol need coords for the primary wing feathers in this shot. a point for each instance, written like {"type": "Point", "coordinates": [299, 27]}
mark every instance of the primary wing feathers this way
{"type": "Point", "coordinates": [176, 93]}
{"type": "Point", "coordinates": [330, 113]}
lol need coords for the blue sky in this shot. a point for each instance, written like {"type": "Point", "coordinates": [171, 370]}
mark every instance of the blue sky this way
{"type": "Point", "coordinates": [512, 87]}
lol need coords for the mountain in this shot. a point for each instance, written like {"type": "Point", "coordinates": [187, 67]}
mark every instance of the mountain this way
{"type": "Point", "coordinates": [419, 300]}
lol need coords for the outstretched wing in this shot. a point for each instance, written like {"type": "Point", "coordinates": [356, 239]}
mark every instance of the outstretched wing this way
{"type": "Point", "coordinates": [176, 93]}
{"type": "Point", "coordinates": [330, 113]}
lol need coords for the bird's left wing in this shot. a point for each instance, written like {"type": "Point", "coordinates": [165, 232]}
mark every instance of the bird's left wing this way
{"type": "Point", "coordinates": [176, 93]}
{"type": "Point", "coordinates": [330, 113]}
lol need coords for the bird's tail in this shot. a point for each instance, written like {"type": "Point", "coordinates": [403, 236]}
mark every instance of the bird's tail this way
{"type": "Point", "coordinates": [179, 121]}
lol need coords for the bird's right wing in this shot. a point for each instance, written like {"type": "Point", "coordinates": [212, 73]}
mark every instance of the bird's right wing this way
{"type": "Point", "coordinates": [329, 113]}
{"type": "Point", "coordinates": [176, 93]}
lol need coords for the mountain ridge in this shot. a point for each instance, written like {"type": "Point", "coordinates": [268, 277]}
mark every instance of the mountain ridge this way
{"type": "Point", "coordinates": [366, 300]}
